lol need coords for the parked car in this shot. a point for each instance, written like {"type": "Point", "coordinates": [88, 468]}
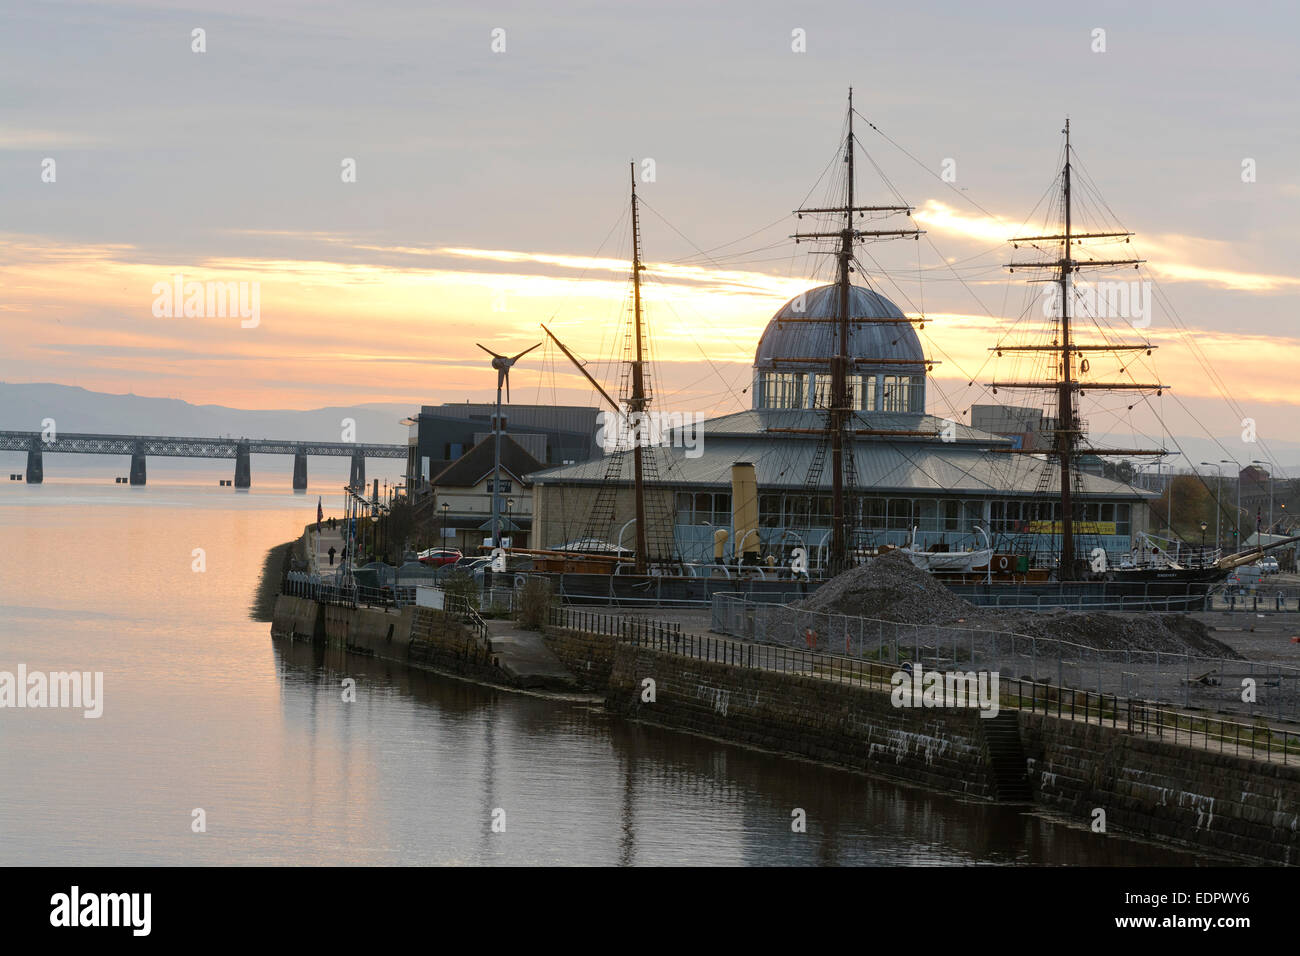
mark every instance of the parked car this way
{"type": "Point", "coordinates": [1268, 565]}
{"type": "Point", "coordinates": [437, 557]}
{"type": "Point", "coordinates": [1245, 579]}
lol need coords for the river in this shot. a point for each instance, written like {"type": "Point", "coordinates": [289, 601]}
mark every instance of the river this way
{"type": "Point", "coordinates": [202, 711]}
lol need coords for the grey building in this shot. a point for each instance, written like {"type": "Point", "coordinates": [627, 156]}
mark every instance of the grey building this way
{"type": "Point", "coordinates": [442, 434]}
{"type": "Point", "coordinates": [944, 486]}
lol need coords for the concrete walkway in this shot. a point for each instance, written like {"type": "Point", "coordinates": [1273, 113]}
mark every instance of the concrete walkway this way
{"type": "Point", "coordinates": [318, 548]}
{"type": "Point", "coordinates": [524, 656]}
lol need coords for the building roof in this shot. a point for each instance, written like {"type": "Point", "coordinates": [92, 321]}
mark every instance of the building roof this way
{"type": "Point", "coordinates": [478, 463]}
{"type": "Point", "coordinates": [763, 420]}
{"type": "Point", "coordinates": [785, 339]}
{"type": "Point", "coordinates": [884, 466]}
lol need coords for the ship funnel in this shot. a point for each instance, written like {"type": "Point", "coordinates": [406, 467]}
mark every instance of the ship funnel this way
{"type": "Point", "coordinates": [720, 537]}
{"type": "Point", "coordinates": [744, 512]}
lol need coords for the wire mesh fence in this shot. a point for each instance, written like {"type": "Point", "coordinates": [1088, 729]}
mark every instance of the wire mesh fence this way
{"type": "Point", "coordinates": [1263, 689]}
{"type": "Point", "coordinates": [1256, 740]}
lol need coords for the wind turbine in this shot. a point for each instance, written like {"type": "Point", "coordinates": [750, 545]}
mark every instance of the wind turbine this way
{"type": "Point", "coordinates": [502, 364]}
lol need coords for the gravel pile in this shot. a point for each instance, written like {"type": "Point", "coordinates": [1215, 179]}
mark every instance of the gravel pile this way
{"type": "Point", "coordinates": [891, 588]}
{"type": "Point", "coordinates": [1175, 633]}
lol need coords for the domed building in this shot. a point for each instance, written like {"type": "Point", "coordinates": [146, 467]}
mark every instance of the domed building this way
{"type": "Point", "coordinates": [792, 365]}
{"type": "Point", "coordinates": [912, 473]}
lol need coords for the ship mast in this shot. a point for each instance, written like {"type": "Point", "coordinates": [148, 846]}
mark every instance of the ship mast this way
{"type": "Point", "coordinates": [841, 413]}
{"type": "Point", "coordinates": [1065, 396]}
{"type": "Point", "coordinates": [637, 403]}
{"type": "Point", "coordinates": [1066, 436]}
{"type": "Point", "coordinates": [839, 362]}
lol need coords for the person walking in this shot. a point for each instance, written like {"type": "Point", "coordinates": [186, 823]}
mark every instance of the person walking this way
{"type": "Point", "coordinates": [331, 555]}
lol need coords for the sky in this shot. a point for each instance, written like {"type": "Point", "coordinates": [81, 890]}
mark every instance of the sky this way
{"type": "Point", "coordinates": [400, 181]}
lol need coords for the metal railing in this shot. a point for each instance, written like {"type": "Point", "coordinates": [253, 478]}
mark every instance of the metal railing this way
{"type": "Point", "coordinates": [1182, 679]}
{"type": "Point", "coordinates": [311, 586]}
{"type": "Point", "coordinates": [454, 604]}
{"type": "Point", "coordinates": [1255, 740]}
{"type": "Point", "coordinates": [594, 622]}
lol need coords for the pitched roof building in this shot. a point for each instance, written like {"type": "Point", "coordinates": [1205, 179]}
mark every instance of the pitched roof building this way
{"type": "Point", "coordinates": [945, 484]}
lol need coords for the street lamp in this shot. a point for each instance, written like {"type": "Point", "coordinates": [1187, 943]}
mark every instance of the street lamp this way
{"type": "Point", "coordinates": [1169, 492]}
{"type": "Point", "coordinates": [1236, 517]}
{"type": "Point", "coordinates": [1256, 461]}
{"type": "Point", "coordinates": [1203, 527]}
{"type": "Point", "coordinates": [1218, 495]}
{"type": "Point", "coordinates": [510, 506]}
{"type": "Point", "coordinates": [443, 536]}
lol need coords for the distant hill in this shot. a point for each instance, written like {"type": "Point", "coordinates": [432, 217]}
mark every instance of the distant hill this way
{"type": "Point", "coordinates": [74, 409]}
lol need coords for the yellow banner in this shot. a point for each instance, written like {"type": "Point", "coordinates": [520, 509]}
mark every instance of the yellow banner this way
{"type": "Point", "coordinates": [1080, 527]}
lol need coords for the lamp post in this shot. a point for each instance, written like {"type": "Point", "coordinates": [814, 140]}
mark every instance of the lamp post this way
{"type": "Point", "coordinates": [1170, 492]}
{"type": "Point", "coordinates": [1203, 527]}
{"type": "Point", "coordinates": [510, 527]}
{"type": "Point", "coordinates": [1236, 517]}
{"type": "Point", "coordinates": [1256, 461]}
{"type": "Point", "coordinates": [1218, 493]}
{"type": "Point", "coordinates": [442, 537]}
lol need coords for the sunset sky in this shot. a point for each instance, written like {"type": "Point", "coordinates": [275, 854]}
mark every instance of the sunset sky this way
{"type": "Point", "coordinates": [491, 189]}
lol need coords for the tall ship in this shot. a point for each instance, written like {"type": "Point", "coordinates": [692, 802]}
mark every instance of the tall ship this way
{"type": "Point", "coordinates": [838, 460]}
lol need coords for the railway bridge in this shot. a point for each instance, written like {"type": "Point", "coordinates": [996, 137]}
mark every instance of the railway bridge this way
{"type": "Point", "coordinates": [141, 447]}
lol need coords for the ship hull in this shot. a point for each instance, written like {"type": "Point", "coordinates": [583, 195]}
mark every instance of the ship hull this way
{"type": "Point", "coordinates": [1131, 593]}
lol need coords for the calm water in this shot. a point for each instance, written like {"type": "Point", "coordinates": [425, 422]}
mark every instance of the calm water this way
{"type": "Point", "coordinates": [203, 710]}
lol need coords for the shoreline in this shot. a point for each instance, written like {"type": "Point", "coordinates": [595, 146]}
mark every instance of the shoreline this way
{"type": "Point", "coordinates": [1157, 791]}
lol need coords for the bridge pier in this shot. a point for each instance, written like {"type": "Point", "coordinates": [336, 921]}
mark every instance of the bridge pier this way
{"type": "Point", "coordinates": [243, 468]}
{"type": "Point", "coordinates": [300, 472]}
{"type": "Point", "coordinates": [137, 468]}
{"type": "Point", "coordinates": [35, 465]}
{"type": "Point", "coordinates": [357, 481]}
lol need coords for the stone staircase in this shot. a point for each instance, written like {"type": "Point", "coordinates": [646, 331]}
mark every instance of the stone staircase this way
{"type": "Point", "coordinates": [1007, 757]}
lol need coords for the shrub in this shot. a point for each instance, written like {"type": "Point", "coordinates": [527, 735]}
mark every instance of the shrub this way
{"type": "Point", "coordinates": [534, 602]}
{"type": "Point", "coordinates": [460, 584]}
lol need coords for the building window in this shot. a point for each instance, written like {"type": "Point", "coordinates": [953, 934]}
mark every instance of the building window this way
{"type": "Point", "coordinates": [704, 508]}
{"type": "Point", "coordinates": [783, 390]}
{"type": "Point", "coordinates": [902, 393]}
{"type": "Point", "coordinates": [864, 392]}
{"type": "Point", "coordinates": [821, 390]}
{"type": "Point", "coordinates": [894, 393]}
{"type": "Point", "coordinates": [1123, 519]}
{"type": "Point", "coordinates": [900, 514]}
{"type": "Point", "coordinates": [873, 514]}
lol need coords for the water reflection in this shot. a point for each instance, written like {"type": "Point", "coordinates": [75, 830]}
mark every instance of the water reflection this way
{"type": "Point", "coordinates": [611, 791]}
{"type": "Point", "coordinates": [202, 709]}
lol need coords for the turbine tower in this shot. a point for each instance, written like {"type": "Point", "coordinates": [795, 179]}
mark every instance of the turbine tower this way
{"type": "Point", "coordinates": [502, 364]}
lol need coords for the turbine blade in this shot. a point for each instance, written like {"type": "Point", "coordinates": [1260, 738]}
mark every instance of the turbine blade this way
{"type": "Point", "coordinates": [525, 352]}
